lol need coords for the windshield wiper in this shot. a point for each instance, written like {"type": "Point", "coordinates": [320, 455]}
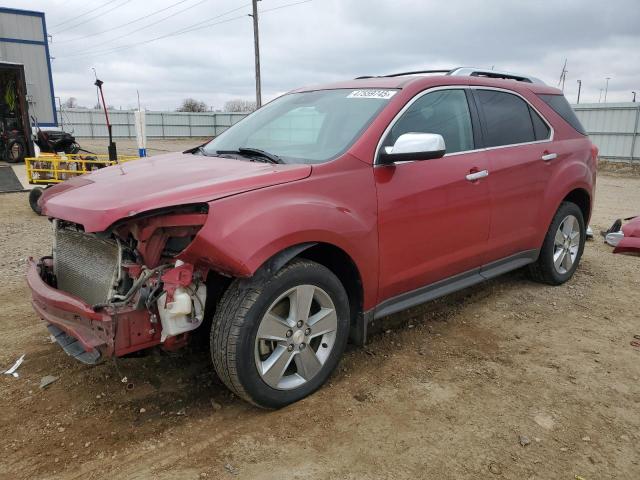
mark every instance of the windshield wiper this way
{"type": "Point", "coordinates": [255, 152]}
{"type": "Point", "coordinates": [261, 153]}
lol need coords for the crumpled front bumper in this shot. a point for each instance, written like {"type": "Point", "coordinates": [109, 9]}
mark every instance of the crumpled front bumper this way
{"type": "Point", "coordinates": [100, 334]}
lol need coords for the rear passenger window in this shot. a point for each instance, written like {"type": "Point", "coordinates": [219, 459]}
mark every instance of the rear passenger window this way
{"type": "Point", "coordinates": [445, 112]}
{"type": "Point", "coordinates": [561, 107]}
{"type": "Point", "coordinates": [506, 118]}
{"type": "Point", "coordinates": [540, 128]}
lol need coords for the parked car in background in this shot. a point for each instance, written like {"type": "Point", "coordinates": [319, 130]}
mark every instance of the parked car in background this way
{"type": "Point", "coordinates": [327, 208]}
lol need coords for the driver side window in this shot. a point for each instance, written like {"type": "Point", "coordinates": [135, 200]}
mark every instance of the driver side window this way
{"type": "Point", "coordinates": [445, 112]}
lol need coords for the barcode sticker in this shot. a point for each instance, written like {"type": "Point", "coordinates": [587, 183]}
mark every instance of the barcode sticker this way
{"type": "Point", "coordinates": [370, 93]}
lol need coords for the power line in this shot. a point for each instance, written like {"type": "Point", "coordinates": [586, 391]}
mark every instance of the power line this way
{"type": "Point", "coordinates": [191, 28]}
{"type": "Point", "coordinates": [85, 13]}
{"type": "Point", "coordinates": [283, 6]}
{"type": "Point", "coordinates": [180, 31]}
{"type": "Point", "coordinates": [92, 18]}
{"type": "Point", "coordinates": [129, 23]}
{"type": "Point", "coordinates": [172, 15]}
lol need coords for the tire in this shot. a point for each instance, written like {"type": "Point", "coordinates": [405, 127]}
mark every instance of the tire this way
{"type": "Point", "coordinates": [34, 196]}
{"type": "Point", "coordinates": [15, 151]}
{"type": "Point", "coordinates": [240, 325]}
{"type": "Point", "coordinates": [557, 247]}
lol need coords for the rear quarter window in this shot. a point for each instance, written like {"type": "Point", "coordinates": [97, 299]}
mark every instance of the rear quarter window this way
{"type": "Point", "coordinates": [560, 105]}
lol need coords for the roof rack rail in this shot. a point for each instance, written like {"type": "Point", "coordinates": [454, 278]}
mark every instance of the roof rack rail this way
{"type": "Point", "coordinates": [465, 72]}
{"type": "Point", "coordinates": [402, 74]}
{"type": "Point", "coordinates": [416, 72]}
{"type": "Point", "coordinates": [481, 72]}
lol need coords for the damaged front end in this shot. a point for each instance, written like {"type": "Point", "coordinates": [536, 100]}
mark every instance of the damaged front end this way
{"type": "Point", "coordinates": [126, 289]}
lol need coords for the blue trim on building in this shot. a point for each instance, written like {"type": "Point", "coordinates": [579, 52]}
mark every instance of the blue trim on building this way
{"type": "Point", "coordinates": [44, 43]}
{"type": "Point", "coordinates": [20, 40]}
{"type": "Point", "coordinates": [17, 11]}
{"type": "Point", "coordinates": [46, 49]}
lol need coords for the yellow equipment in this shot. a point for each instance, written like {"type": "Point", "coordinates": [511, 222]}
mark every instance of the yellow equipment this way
{"type": "Point", "coordinates": [48, 168]}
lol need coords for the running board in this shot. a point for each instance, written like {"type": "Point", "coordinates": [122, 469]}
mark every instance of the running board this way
{"type": "Point", "coordinates": [455, 283]}
{"type": "Point", "coordinates": [73, 347]}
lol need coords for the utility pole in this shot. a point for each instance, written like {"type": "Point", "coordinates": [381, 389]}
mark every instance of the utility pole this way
{"type": "Point", "coordinates": [579, 88]}
{"type": "Point", "coordinates": [606, 89]}
{"type": "Point", "coordinates": [600, 97]}
{"type": "Point", "coordinates": [256, 48]}
{"type": "Point", "coordinates": [563, 74]}
{"type": "Point", "coordinates": [634, 97]}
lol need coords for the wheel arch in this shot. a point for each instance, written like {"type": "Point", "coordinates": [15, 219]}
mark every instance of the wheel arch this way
{"type": "Point", "coordinates": [582, 199]}
{"type": "Point", "coordinates": [340, 263]}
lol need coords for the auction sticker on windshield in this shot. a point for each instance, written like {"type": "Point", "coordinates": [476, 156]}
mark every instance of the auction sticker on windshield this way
{"type": "Point", "coordinates": [384, 94]}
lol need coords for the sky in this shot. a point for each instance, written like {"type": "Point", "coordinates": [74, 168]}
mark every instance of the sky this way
{"type": "Point", "coordinates": [318, 41]}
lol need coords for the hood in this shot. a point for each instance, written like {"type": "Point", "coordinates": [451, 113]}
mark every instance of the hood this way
{"type": "Point", "coordinates": [98, 199]}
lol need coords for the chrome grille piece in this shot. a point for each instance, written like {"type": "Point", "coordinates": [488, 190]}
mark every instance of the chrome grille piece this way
{"type": "Point", "coordinates": [85, 265]}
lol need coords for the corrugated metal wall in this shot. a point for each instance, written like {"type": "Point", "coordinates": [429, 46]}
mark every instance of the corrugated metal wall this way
{"type": "Point", "coordinates": [613, 127]}
{"type": "Point", "coordinates": [91, 123]}
{"type": "Point", "coordinates": [23, 40]}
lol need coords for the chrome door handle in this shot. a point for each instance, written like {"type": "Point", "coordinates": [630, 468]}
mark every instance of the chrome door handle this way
{"type": "Point", "coordinates": [472, 177]}
{"type": "Point", "coordinates": [549, 156]}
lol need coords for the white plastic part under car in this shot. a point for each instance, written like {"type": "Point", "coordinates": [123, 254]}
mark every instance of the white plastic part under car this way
{"type": "Point", "coordinates": [185, 313]}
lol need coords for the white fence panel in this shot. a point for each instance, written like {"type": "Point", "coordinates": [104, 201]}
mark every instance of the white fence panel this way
{"type": "Point", "coordinates": [85, 123]}
{"type": "Point", "coordinates": [613, 127]}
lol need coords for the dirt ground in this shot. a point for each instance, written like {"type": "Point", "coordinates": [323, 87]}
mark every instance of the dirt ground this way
{"type": "Point", "coordinates": [509, 379]}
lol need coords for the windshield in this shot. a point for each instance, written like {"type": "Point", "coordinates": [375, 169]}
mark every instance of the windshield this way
{"type": "Point", "coordinates": [307, 127]}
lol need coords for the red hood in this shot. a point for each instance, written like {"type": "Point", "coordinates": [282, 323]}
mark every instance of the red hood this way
{"type": "Point", "coordinates": [98, 199]}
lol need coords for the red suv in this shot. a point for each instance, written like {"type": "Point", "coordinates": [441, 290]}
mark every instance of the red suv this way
{"type": "Point", "coordinates": [327, 208]}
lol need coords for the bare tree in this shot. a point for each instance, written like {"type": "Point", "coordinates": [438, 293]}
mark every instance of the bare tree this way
{"type": "Point", "coordinates": [239, 105]}
{"type": "Point", "coordinates": [192, 105]}
{"type": "Point", "coordinates": [98, 106]}
{"type": "Point", "coordinates": [71, 102]}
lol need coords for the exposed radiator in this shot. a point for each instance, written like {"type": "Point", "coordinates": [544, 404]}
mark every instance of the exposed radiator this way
{"type": "Point", "coordinates": [85, 265]}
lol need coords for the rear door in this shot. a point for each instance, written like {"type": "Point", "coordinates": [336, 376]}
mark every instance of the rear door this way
{"type": "Point", "coordinates": [433, 222]}
{"type": "Point", "coordinates": [517, 141]}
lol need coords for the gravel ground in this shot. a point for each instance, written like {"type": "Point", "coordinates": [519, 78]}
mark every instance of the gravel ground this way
{"type": "Point", "coordinates": [509, 379]}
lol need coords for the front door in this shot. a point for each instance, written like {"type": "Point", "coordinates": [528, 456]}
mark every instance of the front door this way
{"type": "Point", "coordinates": [433, 221]}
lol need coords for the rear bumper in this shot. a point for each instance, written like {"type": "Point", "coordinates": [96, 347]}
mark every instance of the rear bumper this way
{"type": "Point", "coordinates": [105, 332]}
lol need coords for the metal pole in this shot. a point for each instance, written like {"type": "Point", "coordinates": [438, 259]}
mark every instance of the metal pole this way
{"type": "Point", "coordinates": [606, 89]}
{"type": "Point", "coordinates": [600, 96]}
{"type": "Point", "coordinates": [113, 154]}
{"type": "Point", "coordinates": [634, 97]}
{"type": "Point", "coordinates": [579, 88]}
{"type": "Point", "coordinates": [62, 120]}
{"type": "Point", "coordinates": [635, 133]}
{"type": "Point", "coordinates": [256, 48]}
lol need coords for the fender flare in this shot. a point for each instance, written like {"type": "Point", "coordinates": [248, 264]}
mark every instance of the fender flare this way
{"type": "Point", "coordinates": [280, 259]}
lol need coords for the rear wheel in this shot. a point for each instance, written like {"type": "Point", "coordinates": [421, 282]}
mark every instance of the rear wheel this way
{"type": "Point", "coordinates": [276, 340]}
{"type": "Point", "coordinates": [562, 247]}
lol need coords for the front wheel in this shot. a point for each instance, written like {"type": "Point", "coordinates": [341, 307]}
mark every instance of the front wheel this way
{"type": "Point", "coordinates": [562, 247]}
{"type": "Point", "coordinates": [276, 340]}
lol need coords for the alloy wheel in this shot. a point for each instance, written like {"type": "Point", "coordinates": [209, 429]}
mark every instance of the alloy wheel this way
{"type": "Point", "coordinates": [566, 244]}
{"type": "Point", "coordinates": [295, 337]}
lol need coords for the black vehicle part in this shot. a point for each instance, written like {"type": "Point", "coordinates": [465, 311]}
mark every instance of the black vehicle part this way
{"type": "Point", "coordinates": [34, 196]}
{"type": "Point", "coordinates": [15, 150]}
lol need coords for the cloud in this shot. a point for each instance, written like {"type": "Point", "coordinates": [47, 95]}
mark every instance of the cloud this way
{"type": "Point", "coordinates": [328, 40]}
